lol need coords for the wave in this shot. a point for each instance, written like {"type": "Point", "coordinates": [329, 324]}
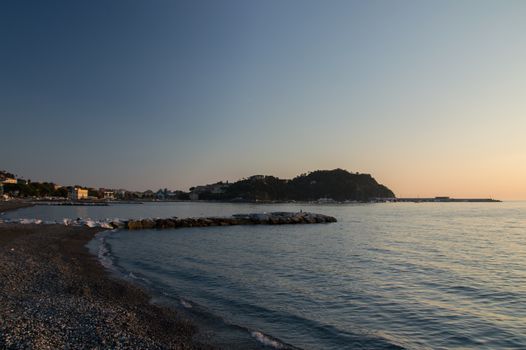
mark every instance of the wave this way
{"type": "Point", "coordinates": [267, 340]}
{"type": "Point", "coordinates": [186, 304]}
{"type": "Point", "coordinates": [136, 277]}
{"type": "Point", "coordinates": [104, 252]}
{"type": "Point", "coordinates": [164, 294]}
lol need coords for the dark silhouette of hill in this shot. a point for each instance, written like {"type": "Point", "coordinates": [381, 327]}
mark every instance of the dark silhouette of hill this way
{"type": "Point", "coordinates": [337, 184]}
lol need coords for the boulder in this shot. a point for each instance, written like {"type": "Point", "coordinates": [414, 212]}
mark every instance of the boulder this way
{"type": "Point", "coordinates": [134, 225]}
{"type": "Point", "coordinates": [148, 223]}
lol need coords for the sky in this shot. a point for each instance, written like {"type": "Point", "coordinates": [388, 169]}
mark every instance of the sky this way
{"type": "Point", "coordinates": [427, 96]}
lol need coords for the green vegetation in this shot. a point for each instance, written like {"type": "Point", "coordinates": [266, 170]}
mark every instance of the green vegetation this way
{"type": "Point", "coordinates": [35, 189]}
{"type": "Point", "coordinates": [4, 175]}
{"type": "Point", "coordinates": [338, 184]}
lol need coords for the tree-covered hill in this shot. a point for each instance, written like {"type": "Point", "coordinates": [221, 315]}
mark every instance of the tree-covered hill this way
{"type": "Point", "coordinates": [6, 175]}
{"type": "Point", "coordinates": [337, 184]}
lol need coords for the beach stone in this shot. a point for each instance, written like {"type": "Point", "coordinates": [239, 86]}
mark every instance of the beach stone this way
{"type": "Point", "coordinates": [134, 225]}
{"type": "Point", "coordinates": [56, 296]}
{"type": "Point", "coordinates": [148, 223]}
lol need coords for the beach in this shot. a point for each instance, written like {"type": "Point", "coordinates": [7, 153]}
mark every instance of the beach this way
{"type": "Point", "coordinates": [55, 294]}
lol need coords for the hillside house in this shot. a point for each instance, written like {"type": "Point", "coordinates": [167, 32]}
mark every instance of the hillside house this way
{"type": "Point", "coordinates": [77, 193]}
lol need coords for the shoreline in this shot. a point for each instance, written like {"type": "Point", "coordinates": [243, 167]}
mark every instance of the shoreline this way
{"type": "Point", "coordinates": [56, 294]}
{"type": "Point", "coordinates": [58, 264]}
{"type": "Point", "coordinates": [14, 205]}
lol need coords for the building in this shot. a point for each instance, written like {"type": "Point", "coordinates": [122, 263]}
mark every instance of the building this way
{"type": "Point", "coordinates": [77, 193]}
{"type": "Point", "coordinates": [109, 195]}
{"type": "Point", "coordinates": [9, 180]}
{"type": "Point", "coordinates": [106, 194]}
{"type": "Point", "coordinates": [207, 190]}
{"type": "Point", "coordinates": [218, 188]}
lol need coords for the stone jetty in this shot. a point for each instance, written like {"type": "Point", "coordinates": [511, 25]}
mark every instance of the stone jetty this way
{"type": "Point", "coordinates": [276, 218]}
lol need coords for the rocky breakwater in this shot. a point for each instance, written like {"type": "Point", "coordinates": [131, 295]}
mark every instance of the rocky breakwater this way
{"type": "Point", "coordinates": [276, 218]}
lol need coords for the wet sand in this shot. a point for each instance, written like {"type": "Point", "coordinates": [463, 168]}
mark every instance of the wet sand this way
{"type": "Point", "coordinates": [55, 294]}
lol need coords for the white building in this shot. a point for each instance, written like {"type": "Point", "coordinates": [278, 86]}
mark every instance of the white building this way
{"type": "Point", "coordinates": [109, 195]}
{"type": "Point", "coordinates": [78, 193]}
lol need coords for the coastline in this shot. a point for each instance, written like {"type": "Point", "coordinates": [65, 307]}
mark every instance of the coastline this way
{"type": "Point", "coordinates": [13, 205]}
{"type": "Point", "coordinates": [56, 294]}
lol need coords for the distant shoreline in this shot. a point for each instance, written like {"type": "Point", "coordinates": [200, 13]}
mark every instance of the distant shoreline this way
{"type": "Point", "coordinates": [448, 200]}
{"type": "Point", "coordinates": [19, 204]}
{"type": "Point", "coordinates": [14, 205]}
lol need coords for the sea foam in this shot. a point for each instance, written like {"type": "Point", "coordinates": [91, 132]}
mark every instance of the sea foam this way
{"type": "Point", "coordinates": [267, 340]}
{"type": "Point", "coordinates": [104, 253]}
{"type": "Point", "coordinates": [186, 304]}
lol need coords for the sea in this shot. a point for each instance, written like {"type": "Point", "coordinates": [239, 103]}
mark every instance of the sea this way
{"type": "Point", "coordinates": [385, 276]}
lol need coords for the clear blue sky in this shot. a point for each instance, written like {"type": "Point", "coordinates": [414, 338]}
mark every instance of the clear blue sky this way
{"type": "Point", "coordinates": [428, 96]}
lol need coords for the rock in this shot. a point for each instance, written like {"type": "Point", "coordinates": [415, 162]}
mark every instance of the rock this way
{"type": "Point", "coordinates": [134, 225]}
{"type": "Point", "coordinates": [148, 223]}
{"type": "Point", "coordinates": [118, 224]}
{"type": "Point", "coordinates": [164, 223]}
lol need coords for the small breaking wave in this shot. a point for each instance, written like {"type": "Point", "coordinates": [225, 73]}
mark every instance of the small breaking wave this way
{"type": "Point", "coordinates": [267, 340]}
{"type": "Point", "coordinates": [104, 252]}
{"type": "Point", "coordinates": [186, 304]}
{"type": "Point", "coordinates": [136, 277]}
{"type": "Point", "coordinates": [30, 221]}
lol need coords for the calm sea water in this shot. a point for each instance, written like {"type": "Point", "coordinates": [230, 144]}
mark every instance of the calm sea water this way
{"type": "Point", "coordinates": [416, 276]}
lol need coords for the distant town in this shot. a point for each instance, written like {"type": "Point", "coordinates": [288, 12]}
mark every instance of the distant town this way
{"type": "Point", "coordinates": [321, 186]}
{"type": "Point", "coordinates": [12, 186]}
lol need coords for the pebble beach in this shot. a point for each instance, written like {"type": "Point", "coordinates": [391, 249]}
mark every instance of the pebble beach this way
{"type": "Point", "coordinates": [55, 294]}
